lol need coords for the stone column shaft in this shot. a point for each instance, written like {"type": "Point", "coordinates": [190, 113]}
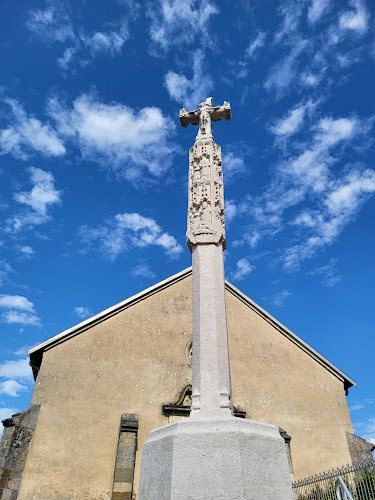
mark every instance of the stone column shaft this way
{"type": "Point", "coordinates": [211, 394]}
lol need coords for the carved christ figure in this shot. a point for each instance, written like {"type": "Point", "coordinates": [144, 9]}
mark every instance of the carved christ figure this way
{"type": "Point", "coordinates": [206, 114]}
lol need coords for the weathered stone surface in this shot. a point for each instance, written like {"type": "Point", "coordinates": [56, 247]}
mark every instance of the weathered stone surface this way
{"type": "Point", "coordinates": [223, 458]}
{"type": "Point", "coordinates": [206, 222]}
{"type": "Point", "coordinates": [360, 449]}
{"type": "Point", "coordinates": [18, 431]}
{"type": "Point", "coordinates": [125, 458]}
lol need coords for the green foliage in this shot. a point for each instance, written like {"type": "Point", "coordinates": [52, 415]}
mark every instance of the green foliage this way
{"type": "Point", "coordinates": [365, 485]}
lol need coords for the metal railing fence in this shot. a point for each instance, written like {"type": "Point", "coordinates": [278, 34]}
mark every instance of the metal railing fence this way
{"type": "Point", "coordinates": [359, 479]}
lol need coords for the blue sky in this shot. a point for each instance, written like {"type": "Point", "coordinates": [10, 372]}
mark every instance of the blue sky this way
{"type": "Point", "coordinates": [93, 165]}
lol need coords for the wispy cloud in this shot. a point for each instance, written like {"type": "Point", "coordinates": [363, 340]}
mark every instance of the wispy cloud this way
{"type": "Point", "coordinates": [26, 252]}
{"type": "Point", "coordinates": [310, 176]}
{"type": "Point", "coordinates": [290, 124]}
{"type": "Point", "coordinates": [356, 407]}
{"type": "Point", "coordinates": [25, 134]}
{"type": "Point", "coordinates": [180, 22]}
{"type": "Point", "coordinates": [16, 370]}
{"type": "Point", "coordinates": [5, 270]}
{"type": "Point", "coordinates": [283, 73]}
{"type": "Point", "coordinates": [142, 270]}
{"type": "Point", "coordinates": [316, 9]}
{"type": "Point", "coordinates": [37, 202]}
{"type": "Point", "coordinates": [18, 310]}
{"type": "Point", "coordinates": [366, 429]}
{"type": "Point", "coordinates": [329, 274]}
{"type": "Point", "coordinates": [233, 163]}
{"type": "Point", "coordinates": [243, 269]}
{"type": "Point", "coordinates": [125, 231]}
{"type": "Point", "coordinates": [117, 136]}
{"type": "Point", "coordinates": [255, 45]}
{"type": "Point", "coordinates": [279, 298]}
{"type": "Point", "coordinates": [356, 19]}
{"type": "Point", "coordinates": [54, 24]}
{"type": "Point", "coordinates": [12, 388]}
{"type": "Point", "coordinates": [187, 92]}
{"type": "Point", "coordinates": [82, 312]}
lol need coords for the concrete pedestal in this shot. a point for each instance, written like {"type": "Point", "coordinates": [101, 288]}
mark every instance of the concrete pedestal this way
{"type": "Point", "coordinates": [215, 458]}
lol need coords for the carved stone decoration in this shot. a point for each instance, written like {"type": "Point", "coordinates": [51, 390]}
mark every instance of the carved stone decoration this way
{"type": "Point", "coordinates": [206, 223]}
{"type": "Point", "coordinates": [182, 406]}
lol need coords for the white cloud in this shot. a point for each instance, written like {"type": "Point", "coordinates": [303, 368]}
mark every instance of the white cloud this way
{"type": "Point", "coordinates": [256, 45]}
{"type": "Point", "coordinates": [19, 370]}
{"type": "Point", "coordinates": [283, 73]}
{"type": "Point", "coordinates": [366, 429]}
{"type": "Point", "coordinates": [125, 231]}
{"type": "Point", "coordinates": [355, 20]}
{"type": "Point", "coordinates": [291, 12]}
{"type": "Point", "coordinates": [16, 302]}
{"type": "Point", "coordinates": [180, 22]}
{"type": "Point", "coordinates": [26, 134]}
{"type": "Point", "coordinates": [12, 388]}
{"type": "Point", "coordinates": [129, 141]}
{"type": "Point", "coordinates": [280, 297]}
{"type": "Point", "coordinates": [22, 351]}
{"type": "Point", "coordinates": [342, 203]}
{"type": "Point", "coordinates": [21, 318]}
{"type": "Point", "coordinates": [25, 251]}
{"type": "Point", "coordinates": [54, 24]}
{"type": "Point", "coordinates": [329, 274]}
{"type": "Point", "coordinates": [143, 271]}
{"type": "Point", "coordinates": [83, 312]}
{"type": "Point", "coordinates": [356, 406]}
{"type": "Point", "coordinates": [109, 43]}
{"type": "Point", "coordinates": [291, 123]}
{"type": "Point", "coordinates": [41, 197]}
{"type": "Point", "coordinates": [230, 210]}
{"type": "Point", "coordinates": [67, 58]}
{"type": "Point", "coordinates": [243, 268]}
{"type": "Point", "coordinates": [5, 269]}
{"type": "Point", "coordinates": [233, 163]}
{"type": "Point", "coordinates": [187, 92]}
{"type": "Point", "coordinates": [335, 194]}
{"type": "Point", "coordinates": [317, 9]}
{"type": "Point", "coordinates": [51, 24]}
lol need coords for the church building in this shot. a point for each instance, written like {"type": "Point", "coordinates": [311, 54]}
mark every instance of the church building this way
{"type": "Point", "coordinates": [104, 384]}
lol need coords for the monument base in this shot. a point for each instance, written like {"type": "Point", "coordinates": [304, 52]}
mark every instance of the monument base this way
{"type": "Point", "coordinates": [215, 458]}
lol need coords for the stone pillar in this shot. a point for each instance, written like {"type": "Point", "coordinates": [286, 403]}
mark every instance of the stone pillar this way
{"type": "Point", "coordinates": [211, 393]}
{"type": "Point", "coordinates": [212, 455]}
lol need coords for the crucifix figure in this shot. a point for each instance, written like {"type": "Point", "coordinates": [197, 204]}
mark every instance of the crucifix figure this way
{"type": "Point", "coordinates": [206, 114]}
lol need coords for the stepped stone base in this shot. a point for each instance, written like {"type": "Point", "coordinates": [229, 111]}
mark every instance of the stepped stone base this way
{"type": "Point", "coordinates": [215, 458]}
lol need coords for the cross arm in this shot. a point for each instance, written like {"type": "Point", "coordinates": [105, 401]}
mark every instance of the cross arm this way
{"type": "Point", "coordinates": [219, 112]}
{"type": "Point", "coordinates": [187, 117]}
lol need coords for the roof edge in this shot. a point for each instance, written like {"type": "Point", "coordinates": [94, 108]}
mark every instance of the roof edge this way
{"type": "Point", "coordinates": [106, 312]}
{"type": "Point", "coordinates": [349, 380]}
{"type": "Point", "coordinates": [161, 284]}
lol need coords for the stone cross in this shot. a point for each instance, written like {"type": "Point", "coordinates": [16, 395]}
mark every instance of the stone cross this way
{"type": "Point", "coordinates": [211, 391]}
{"type": "Point", "coordinates": [212, 455]}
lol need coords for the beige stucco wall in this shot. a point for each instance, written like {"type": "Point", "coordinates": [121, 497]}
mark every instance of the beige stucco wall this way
{"type": "Point", "coordinates": [134, 361]}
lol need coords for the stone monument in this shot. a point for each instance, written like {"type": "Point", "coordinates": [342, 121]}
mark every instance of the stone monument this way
{"type": "Point", "coordinates": [212, 455]}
